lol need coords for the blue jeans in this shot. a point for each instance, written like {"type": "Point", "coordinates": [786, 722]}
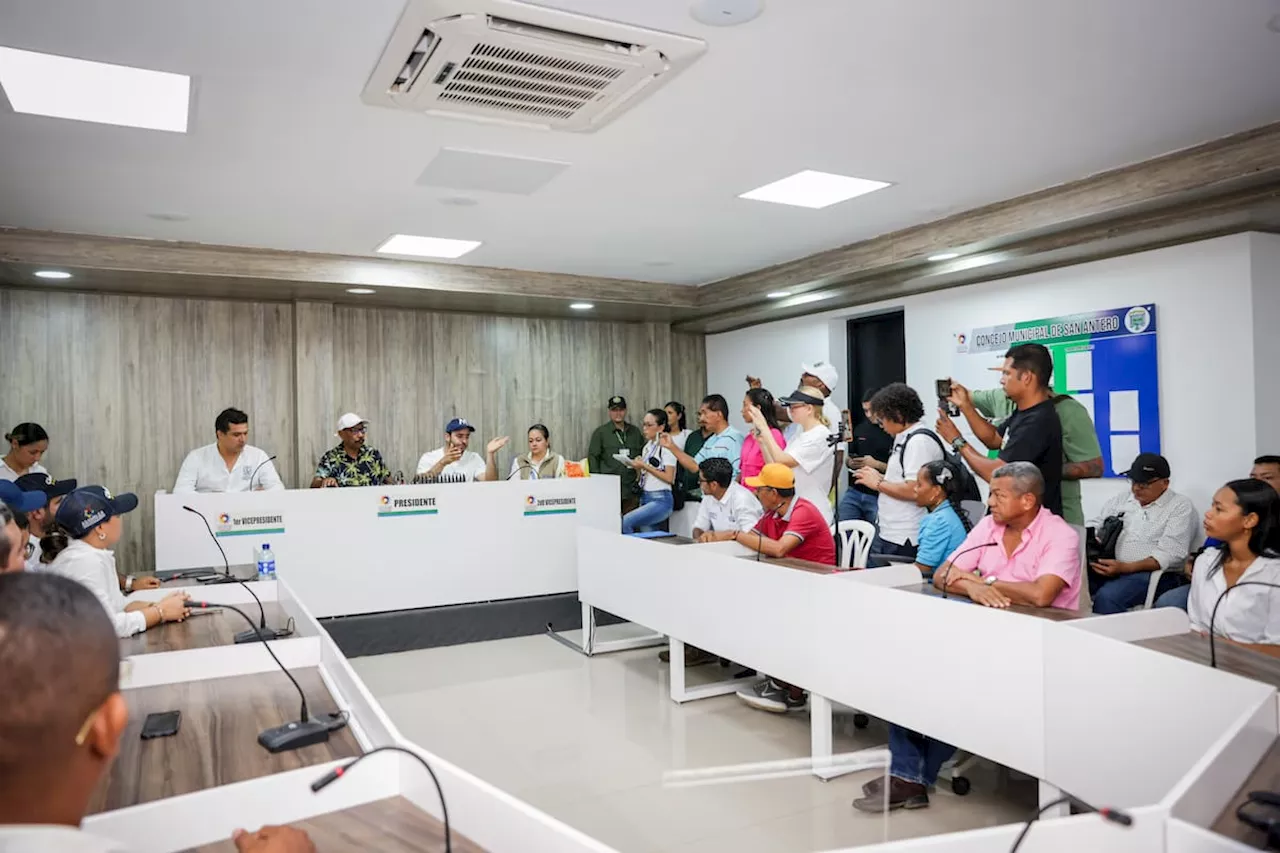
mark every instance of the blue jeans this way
{"type": "Point", "coordinates": [655, 508]}
{"type": "Point", "coordinates": [917, 758]}
{"type": "Point", "coordinates": [1176, 597]}
{"type": "Point", "coordinates": [855, 506]}
{"type": "Point", "coordinates": [1123, 592]}
{"type": "Point", "coordinates": [879, 546]}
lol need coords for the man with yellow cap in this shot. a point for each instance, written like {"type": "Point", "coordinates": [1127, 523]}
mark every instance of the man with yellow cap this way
{"type": "Point", "coordinates": [790, 527]}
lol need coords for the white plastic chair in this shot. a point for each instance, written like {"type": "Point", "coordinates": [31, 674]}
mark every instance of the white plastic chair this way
{"type": "Point", "coordinates": [855, 543]}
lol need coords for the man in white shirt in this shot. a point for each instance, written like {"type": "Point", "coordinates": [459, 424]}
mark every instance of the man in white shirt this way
{"type": "Point", "coordinates": [727, 507]}
{"type": "Point", "coordinates": [64, 719]}
{"type": "Point", "coordinates": [1160, 528]}
{"type": "Point", "coordinates": [230, 464]}
{"type": "Point", "coordinates": [40, 520]}
{"type": "Point", "coordinates": [454, 461]}
{"type": "Point", "coordinates": [898, 409]}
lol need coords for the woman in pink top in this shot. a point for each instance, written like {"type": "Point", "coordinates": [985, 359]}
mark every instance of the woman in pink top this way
{"type": "Point", "coordinates": [752, 456]}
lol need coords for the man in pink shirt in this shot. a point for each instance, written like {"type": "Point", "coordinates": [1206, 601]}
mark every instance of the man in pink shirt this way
{"type": "Point", "coordinates": [1033, 557]}
{"type": "Point", "coordinates": [1019, 554]}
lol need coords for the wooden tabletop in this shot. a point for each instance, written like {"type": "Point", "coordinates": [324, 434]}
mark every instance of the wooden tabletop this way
{"type": "Point", "coordinates": [217, 741]}
{"type": "Point", "coordinates": [1265, 777]}
{"type": "Point", "coordinates": [1053, 614]}
{"type": "Point", "coordinates": [1231, 657]}
{"type": "Point", "coordinates": [201, 631]}
{"type": "Point", "coordinates": [393, 825]}
{"type": "Point", "coordinates": [796, 563]}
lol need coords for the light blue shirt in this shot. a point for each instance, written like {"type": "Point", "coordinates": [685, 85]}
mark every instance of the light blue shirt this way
{"type": "Point", "coordinates": [941, 533]}
{"type": "Point", "coordinates": [725, 445]}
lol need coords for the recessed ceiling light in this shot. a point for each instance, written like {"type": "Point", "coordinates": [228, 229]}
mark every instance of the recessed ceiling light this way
{"type": "Point", "coordinates": [807, 298]}
{"type": "Point", "coordinates": [61, 87]}
{"type": "Point", "coordinates": [944, 256]}
{"type": "Point", "coordinates": [426, 247]}
{"type": "Point", "coordinates": [725, 13]}
{"type": "Point", "coordinates": [56, 274]}
{"type": "Point", "coordinates": [581, 306]}
{"type": "Point", "coordinates": [779, 294]}
{"type": "Point", "coordinates": [814, 189]}
{"type": "Point", "coordinates": [360, 291]}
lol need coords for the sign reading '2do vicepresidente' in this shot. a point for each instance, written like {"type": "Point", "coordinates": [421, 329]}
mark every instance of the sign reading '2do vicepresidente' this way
{"type": "Point", "coordinates": [1107, 360]}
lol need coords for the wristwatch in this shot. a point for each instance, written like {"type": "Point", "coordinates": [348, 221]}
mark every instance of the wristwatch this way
{"type": "Point", "coordinates": [957, 443]}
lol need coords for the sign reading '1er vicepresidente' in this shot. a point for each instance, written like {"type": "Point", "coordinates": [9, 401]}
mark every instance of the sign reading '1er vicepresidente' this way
{"type": "Point", "coordinates": [246, 524]}
{"type": "Point", "coordinates": [1107, 360]}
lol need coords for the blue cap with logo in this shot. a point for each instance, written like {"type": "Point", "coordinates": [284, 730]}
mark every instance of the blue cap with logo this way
{"type": "Point", "coordinates": [20, 499]}
{"type": "Point", "coordinates": [45, 483]}
{"type": "Point", "coordinates": [457, 424]}
{"type": "Point", "coordinates": [87, 507]}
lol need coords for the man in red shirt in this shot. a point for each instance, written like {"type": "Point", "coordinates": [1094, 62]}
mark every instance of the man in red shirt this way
{"type": "Point", "coordinates": [790, 527]}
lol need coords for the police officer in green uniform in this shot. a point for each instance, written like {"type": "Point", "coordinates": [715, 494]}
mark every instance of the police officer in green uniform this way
{"type": "Point", "coordinates": [613, 442]}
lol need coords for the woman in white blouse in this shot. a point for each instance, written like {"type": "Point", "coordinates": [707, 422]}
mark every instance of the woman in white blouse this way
{"type": "Point", "coordinates": [27, 445]}
{"type": "Point", "coordinates": [656, 467]}
{"type": "Point", "coordinates": [541, 462]}
{"type": "Point", "coordinates": [87, 524]}
{"type": "Point", "coordinates": [810, 455]}
{"type": "Point", "coordinates": [1245, 518]}
{"type": "Point", "coordinates": [677, 426]}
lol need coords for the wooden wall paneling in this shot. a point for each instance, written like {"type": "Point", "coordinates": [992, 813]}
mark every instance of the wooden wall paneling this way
{"type": "Point", "coordinates": [315, 410]}
{"type": "Point", "coordinates": [689, 374]}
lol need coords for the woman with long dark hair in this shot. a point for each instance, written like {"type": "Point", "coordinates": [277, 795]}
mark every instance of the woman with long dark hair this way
{"type": "Point", "coordinates": [943, 530]}
{"type": "Point", "coordinates": [752, 459]}
{"type": "Point", "coordinates": [1245, 519]}
{"type": "Point", "coordinates": [27, 445]}
{"type": "Point", "coordinates": [656, 467]}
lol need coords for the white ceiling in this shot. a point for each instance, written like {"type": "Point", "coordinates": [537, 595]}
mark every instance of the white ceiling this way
{"type": "Point", "coordinates": [957, 103]}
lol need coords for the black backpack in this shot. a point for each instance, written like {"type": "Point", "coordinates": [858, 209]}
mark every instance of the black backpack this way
{"type": "Point", "coordinates": [968, 485]}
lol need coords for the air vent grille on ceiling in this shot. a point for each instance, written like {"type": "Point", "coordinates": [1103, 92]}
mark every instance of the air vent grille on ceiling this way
{"type": "Point", "coordinates": [508, 61]}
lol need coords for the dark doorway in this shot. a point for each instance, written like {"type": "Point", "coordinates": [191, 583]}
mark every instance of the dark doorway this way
{"type": "Point", "coordinates": [877, 356]}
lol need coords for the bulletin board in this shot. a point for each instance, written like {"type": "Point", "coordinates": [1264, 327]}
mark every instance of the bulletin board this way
{"type": "Point", "coordinates": [1105, 359]}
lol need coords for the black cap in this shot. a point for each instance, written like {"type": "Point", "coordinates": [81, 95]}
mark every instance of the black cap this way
{"type": "Point", "coordinates": [45, 483]}
{"type": "Point", "coordinates": [801, 395]}
{"type": "Point", "coordinates": [1147, 467]}
{"type": "Point", "coordinates": [617, 402]}
{"type": "Point", "coordinates": [85, 508]}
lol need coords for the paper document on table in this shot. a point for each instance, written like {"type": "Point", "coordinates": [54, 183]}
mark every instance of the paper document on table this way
{"type": "Point", "coordinates": [1124, 449]}
{"type": "Point", "coordinates": [1085, 399]}
{"type": "Point", "coordinates": [1124, 411]}
{"type": "Point", "coordinates": [1080, 370]}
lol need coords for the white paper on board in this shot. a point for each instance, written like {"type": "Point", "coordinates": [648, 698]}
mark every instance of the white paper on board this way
{"type": "Point", "coordinates": [1085, 399]}
{"type": "Point", "coordinates": [1124, 411]}
{"type": "Point", "coordinates": [1080, 370]}
{"type": "Point", "coordinates": [1124, 449]}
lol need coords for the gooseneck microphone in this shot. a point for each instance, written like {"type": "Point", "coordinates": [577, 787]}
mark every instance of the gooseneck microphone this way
{"type": "Point", "coordinates": [951, 564]}
{"type": "Point", "coordinates": [227, 577]}
{"type": "Point", "coordinates": [305, 731]}
{"type": "Point", "coordinates": [1113, 815]}
{"type": "Point", "coordinates": [259, 468]}
{"type": "Point", "coordinates": [338, 772]}
{"type": "Point", "coordinates": [1213, 652]}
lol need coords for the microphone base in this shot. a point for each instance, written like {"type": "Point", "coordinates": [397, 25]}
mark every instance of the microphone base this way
{"type": "Point", "coordinates": [214, 581]}
{"type": "Point", "coordinates": [294, 735]}
{"type": "Point", "coordinates": [267, 634]}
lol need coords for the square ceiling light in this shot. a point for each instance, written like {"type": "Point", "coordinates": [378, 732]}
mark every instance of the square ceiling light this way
{"type": "Point", "coordinates": [426, 247]}
{"type": "Point", "coordinates": [61, 87]}
{"type": "Point", "coordinates": [814, 189]}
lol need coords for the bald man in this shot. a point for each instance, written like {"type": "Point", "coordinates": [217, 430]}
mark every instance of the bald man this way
{"type": "Point", "coordinates": [63, 718]}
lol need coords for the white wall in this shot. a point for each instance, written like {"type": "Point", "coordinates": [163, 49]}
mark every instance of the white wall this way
{"type": "Point", "coordinates": [1202, 292]}
{"type": "Point", "coordinates": [1266, 338]}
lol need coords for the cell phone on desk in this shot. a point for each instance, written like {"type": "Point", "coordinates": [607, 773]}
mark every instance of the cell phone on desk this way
{"type": "Point", "coordinates": [163, 724]}
{"type": "Point", "coordinates": [204, 611]}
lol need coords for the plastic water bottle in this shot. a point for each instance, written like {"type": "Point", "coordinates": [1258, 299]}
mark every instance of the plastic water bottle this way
{"type": "Point", "coordinates": [266, 563]}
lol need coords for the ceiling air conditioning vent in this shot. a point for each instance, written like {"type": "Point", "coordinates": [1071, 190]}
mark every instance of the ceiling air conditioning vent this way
{"type": "Point", "coordinates": [511, 62]}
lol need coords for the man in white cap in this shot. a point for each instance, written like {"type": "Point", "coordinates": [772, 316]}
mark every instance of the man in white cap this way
{"type": "Point", "coordinates": [351, 463]}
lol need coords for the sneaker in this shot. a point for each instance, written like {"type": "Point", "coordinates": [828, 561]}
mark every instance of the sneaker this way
{"type": "Point", "coordinates": [769, 695]}
{"type": "Point", "coordinates": [902, 795]}
{"type": "Point", "coordinates": [693, 656]}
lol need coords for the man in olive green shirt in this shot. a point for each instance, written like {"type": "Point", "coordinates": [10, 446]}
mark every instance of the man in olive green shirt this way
{"type": "Point", "coordinates": [611, 440]}
{"type": "Point", "coordinates": [1081, 453]}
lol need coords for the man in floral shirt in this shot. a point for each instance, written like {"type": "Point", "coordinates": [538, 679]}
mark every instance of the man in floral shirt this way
{"type": "Point", "coordinates": [351, 463]}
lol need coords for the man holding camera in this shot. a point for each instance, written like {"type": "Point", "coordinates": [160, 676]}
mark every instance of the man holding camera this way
{"type": "Point", "coordinates": [1157, 527]}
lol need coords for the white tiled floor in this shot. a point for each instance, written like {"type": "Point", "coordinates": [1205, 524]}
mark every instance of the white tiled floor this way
{"type": "Point", "coordinates": [587, 741]}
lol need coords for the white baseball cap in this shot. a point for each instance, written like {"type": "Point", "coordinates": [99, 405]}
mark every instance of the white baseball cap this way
{"type": "Point", "coordinates": [824, 371]}
{"type": "Point", "coordinates": [349, 420]}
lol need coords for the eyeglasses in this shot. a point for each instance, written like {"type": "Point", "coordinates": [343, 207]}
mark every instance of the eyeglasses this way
{"type": "Point", "coordinates": [703, 481]}
{"type": "Point", "coordinates": [358, 430]}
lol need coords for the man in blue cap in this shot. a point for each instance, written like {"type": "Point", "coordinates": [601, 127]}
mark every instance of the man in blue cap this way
{"type": "Point", "coordinates": [40, 520]}
{"type": "Point", "coordinates": [19, 504]}
{"type": "Point", "coordinates": [454, 461]}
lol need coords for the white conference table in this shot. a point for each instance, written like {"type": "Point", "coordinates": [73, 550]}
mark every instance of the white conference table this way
{"type": "Point", "coordinates": [1046, 698]}
{"type": "Point", "coordinates": [375, 549]}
